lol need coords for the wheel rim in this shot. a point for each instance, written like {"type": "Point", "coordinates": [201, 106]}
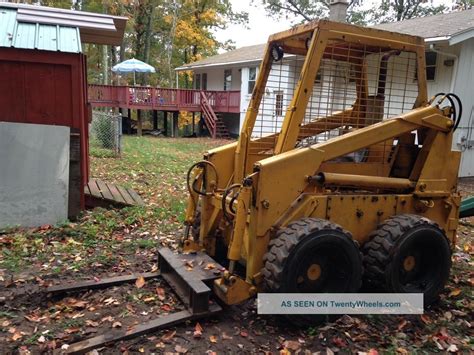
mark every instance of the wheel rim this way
{"type": "Point", "coordinates": [322, 269]}
{"type": "Point", "coordinates": [420, 262]}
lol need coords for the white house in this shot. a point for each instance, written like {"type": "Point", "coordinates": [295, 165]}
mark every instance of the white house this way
{"type": "Point", "coordinates": [449, 67]}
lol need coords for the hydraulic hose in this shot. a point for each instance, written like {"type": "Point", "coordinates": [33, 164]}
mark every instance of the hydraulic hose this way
{"type": "Point", "coordinates": [192, 187]}
{"type": "Point", "coordinates": [226, 192]}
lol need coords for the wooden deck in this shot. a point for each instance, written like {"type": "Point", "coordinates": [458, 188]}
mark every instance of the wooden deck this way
{"type": "Point", "coordinates": [99, 193]}
{"type": "Point", "coordinates": [162, 99]}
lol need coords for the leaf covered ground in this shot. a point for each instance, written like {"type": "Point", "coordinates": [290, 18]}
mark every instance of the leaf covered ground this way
{"type": "Point", "coordinates": [104, 243]}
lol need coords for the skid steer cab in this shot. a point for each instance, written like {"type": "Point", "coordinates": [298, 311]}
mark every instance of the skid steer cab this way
{"type": "Point", "coordinates": [343, 172]}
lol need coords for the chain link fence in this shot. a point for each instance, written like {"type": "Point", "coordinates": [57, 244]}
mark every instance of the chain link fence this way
{"type": "Point", "coordinates": [105, 134]}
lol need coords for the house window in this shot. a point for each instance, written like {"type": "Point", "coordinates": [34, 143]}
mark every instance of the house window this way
{"type": "Point", "coordinates": [252, 78]}
{"type": "Point", "coordinates": [278, 103]}
{"type": "Point", "coordinates": [430, 58]}
{"type": "Point", "coordinates": [430, 61]}
{"type": "Point", "coordinates": [197, 81]}
{"type": "Point", "coordinates": [204, 81]}
{"type": "Point", "coordinates": [227, 79]}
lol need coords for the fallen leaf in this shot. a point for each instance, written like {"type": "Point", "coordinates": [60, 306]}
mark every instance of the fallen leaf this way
{"type": "Point", "coordinates": [142, 350]}
{"type": "Point", "coordinates": [33, 318]}
{"type": "Point", "coordinates": [210, 266]}
{"type": "Point", "coordinates": [140, 282]}
{"type": "Point", "coordinates": [107, 319]}
{"type": "Point", "coordinates": [24, 351]}
{"type": "Point", "coordinates": [41, 339]}
{"type": "Point", "coordinates": [213, 339]}
{"type": "Point", "coordinates": [244, 334]}
{"type": "Point", "coordinates": [168, 336]}
{"type": "Point", "coordinates": [116, 325]}
{"type": "Point", "coordinates": [161, 293]}
{"type": "Point", "coordinates": [16, 336]}
{"type": "Point", "coordinates": [425, 319]}
{"type": "Point", "coordinates": [111, 300]}
{"type": "Point", "coordinates": [197, 331]}
{"type": "Point", "coordinates": [166, 307]}
{"type": "Point", "coordinates": [226, 337]}
{"type": "Point", "coordinates": [5, 323]}
{"type": "Point", "coordinates": [180, 350]}
{"type": "Point", "coordinates": [292, 345]}
{"type": "Point", "coordinates": [78, 304]}
{"type": "Point", "coordinates": [402, 324]}
{"type": "Point", "coordinates": [452, 348]}
{"type": "Point", "coordinates": [91, 323]}
{"type": "Point", "coordinates": [372, 352]}
{"type": "Point", "coordinates": [455, 292]}
{"type": "Point", "coordinates": [339, 342]}
{"type": "Point", "coordinates": [402, 351]}
{"type": "Point", "coordinates": [71, 330]}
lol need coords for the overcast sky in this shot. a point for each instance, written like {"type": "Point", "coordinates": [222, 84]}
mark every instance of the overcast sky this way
{"type": "Point", "coordinates": [261, 26]}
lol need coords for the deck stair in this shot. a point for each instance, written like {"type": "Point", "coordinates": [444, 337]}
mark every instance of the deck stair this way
{"type": "Point", "coordinates": [214, 123]}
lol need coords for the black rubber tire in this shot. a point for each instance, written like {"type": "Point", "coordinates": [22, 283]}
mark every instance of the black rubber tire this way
{"type": "Point", "coordinates": [393, 242]}
{"type": "Point", "coordinates": [309, 239]}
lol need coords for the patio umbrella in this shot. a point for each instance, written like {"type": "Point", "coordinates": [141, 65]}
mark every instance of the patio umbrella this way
{"type": "Point", "coordinates": [133, 65]}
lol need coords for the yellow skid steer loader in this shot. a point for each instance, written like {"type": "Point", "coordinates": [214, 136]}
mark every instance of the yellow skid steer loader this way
{"type": "Point", "coordinates": [343, 171]}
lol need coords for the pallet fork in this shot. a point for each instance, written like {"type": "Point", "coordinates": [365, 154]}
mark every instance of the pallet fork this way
{"type": "Point", "coordinates": [190, 275]}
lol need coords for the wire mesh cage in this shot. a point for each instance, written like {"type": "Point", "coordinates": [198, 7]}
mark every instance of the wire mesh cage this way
{"type": "Point", "coordinates": [356, 86]}
{"type": "Point", "coordinates": [105, 132]}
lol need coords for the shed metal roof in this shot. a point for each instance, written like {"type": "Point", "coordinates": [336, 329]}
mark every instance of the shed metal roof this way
{"type": "Point", "coordinates": [93, 27]}
{"type": "Point", "coordinates": [35, 35]}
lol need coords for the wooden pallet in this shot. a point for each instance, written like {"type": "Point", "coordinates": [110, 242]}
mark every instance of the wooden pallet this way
{"type": "Point", "coordinates": [99, 193]}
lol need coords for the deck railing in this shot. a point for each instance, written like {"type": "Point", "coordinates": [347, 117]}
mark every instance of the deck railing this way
{"type": "Point", "coordinates": [143, 97]}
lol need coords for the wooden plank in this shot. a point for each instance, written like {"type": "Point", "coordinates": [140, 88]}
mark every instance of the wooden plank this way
{"type": "Point", "coordinates": [136, 197]}
{"type": "Point", "coordinates": [101, 283]}
{"type": "Point", "coordinates": [126, 195]}
{"type": "Point", "coordinates": [95, 191]}
{"type": "Point", "coordinates": [104, 190]}
{"type": "Point", "coordinates": [87, 191]}
{"type": "Point", "coordinates": [140, 329]}
{"type": "Point", "coordinates": [116, 193]}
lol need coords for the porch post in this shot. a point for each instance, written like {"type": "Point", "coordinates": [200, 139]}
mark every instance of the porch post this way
{"type": "Point", "coordinates": [165, 122]}
{"type": "Point", "coordinates": [155, 120]}
{"type": "Point", "coordinates": [139, 123]}
{"type": "Point", "coordinates": [175, 124]}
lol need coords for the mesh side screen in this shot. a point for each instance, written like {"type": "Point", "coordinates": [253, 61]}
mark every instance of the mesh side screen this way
{"type": "Point", "coordinates": [355, 86]}
{"type": "Point", "coordinates": [279, 91]}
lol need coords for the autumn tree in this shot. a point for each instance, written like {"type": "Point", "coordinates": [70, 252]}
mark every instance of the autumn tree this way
{"type": "Point", "coordinates": [193, 26]}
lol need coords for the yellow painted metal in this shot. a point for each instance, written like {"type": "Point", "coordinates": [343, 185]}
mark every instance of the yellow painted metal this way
{"type": "Point", "coordinates": [294, 115]}
{"type": "Point", "coordinates": [366, 181]}
{"type": "Point", "coordinates": [398, 177]}
{"type": "Point", "coordinates": [232, 289]}
{"type": "Point", "coordinates": [243, 204]}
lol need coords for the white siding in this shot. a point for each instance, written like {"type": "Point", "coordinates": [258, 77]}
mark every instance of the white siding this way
{"type": "Point", "coordinates": [464, 88]}
{"type": "Point", "coordinates": [215, 77]}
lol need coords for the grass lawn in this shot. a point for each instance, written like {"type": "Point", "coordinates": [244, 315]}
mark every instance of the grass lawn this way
{"type": "Point", "coordinates": [156, 169]}
{"type": "Point", "coordinates": [107, 242]}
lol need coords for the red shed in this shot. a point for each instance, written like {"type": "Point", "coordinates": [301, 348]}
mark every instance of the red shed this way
{"type": "Point", "coordinates": [43, 74]}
